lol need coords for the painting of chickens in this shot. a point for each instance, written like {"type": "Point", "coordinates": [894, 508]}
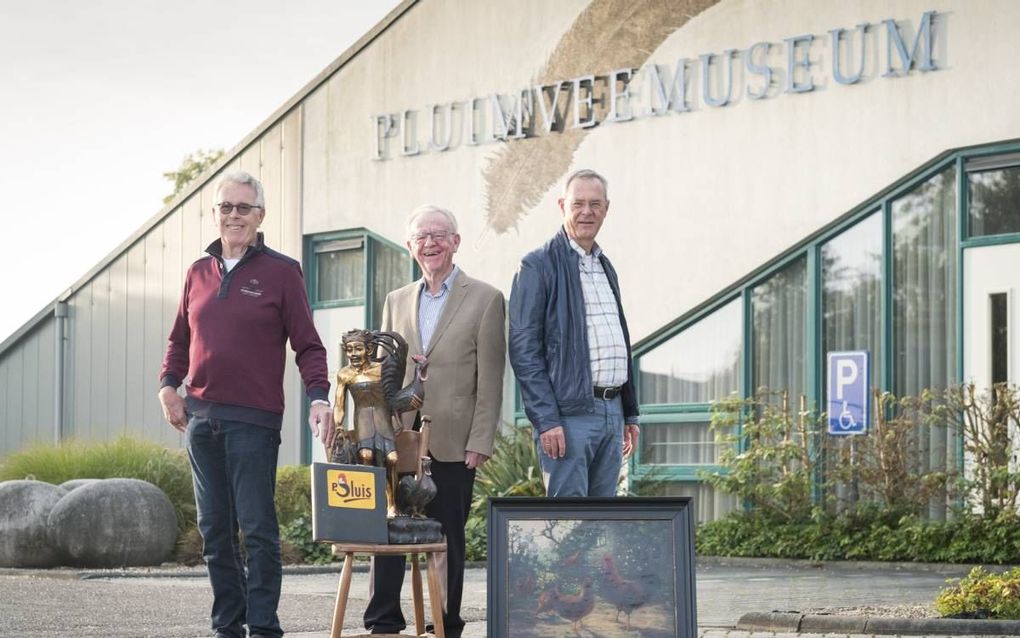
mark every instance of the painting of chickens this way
{"type": "Point", "coordinates": [586, 579]}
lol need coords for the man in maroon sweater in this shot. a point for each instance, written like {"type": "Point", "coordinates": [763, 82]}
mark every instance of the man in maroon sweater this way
{"type": "Point", "coordinates": [240, 306]}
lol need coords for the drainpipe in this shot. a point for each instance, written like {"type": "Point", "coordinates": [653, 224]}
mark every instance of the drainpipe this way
{"type": "Point", "coordinates": [60, 314]}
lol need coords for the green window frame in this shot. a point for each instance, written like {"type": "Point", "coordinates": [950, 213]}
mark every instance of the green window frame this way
{"type": "Point", "coordinates": [959, 164]}
{"type": "Point", "coordinates": [373, 248]}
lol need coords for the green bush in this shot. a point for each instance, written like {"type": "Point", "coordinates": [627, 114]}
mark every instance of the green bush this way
{"type": "Point", "coordinates": [983, 594]}
{"type": "Point", "coordinates": [513, 470]}
{"type": "Point", "coordinates": [297, 533]}
{"type": "Point", "coordinates": [123, 458]}
{"type": "Point", "coordinates": [293, 493]}
{"type": "Point", "coordinates": [769, 453]}
{"type": "Point", "coordinates": [864, 534]}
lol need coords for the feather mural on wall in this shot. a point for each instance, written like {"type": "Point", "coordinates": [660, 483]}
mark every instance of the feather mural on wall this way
{"type": "Point", "coordinates": [607, 35]}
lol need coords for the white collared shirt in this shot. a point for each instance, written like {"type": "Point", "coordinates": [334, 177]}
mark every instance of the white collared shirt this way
{"type": "Point", "coordinates": [430, 307]}
{"type": "Point", "coordinates": [607, 347]}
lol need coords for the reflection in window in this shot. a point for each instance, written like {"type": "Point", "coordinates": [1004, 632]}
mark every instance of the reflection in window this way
{"type": "Point", "coordinates": [391, 272]}
{"type": "Point", "coordinates": [779, 326]}
{"type": "Point", "coordinates": [710, 504]}
{"type": "Point", "coordinates": [924, 230]}
{"type": "Point", "coordinates": [698, 365]}
{"type": "Point", "coordinates": [678, 444]}
{"type": "Point", "coordinates": [340, 270]}
{"type": "Point", "coordinates": [924, 240]}
{"type": "Point", "coordinates": [994, 202]}
{"type": "Point", "coordinates": [852, 292]}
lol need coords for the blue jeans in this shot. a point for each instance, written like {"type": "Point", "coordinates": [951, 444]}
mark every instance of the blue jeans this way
{"type": "Point", "coordinates": [594, 453]}
{"type": "Point", "coordinates": [234, 469]}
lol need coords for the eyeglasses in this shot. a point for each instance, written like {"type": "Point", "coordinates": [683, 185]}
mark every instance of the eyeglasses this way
{"type": "Point", "coordinates": [437, 236]}
{"type": "Point", "coordinates": [596, 205]}
{"type": "Point", "coordinates": [242, 209]}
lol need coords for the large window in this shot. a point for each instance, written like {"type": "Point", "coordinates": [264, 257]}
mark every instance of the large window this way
{"type": "Point", "coordinates": [994, 201]}
{"type": "Point", "coordinates": [886, 279]}
{"type": "Point", "coordinates": [852, 292]}
{"type": "Point", "coordinates": [779, 314]}
{"type": "Point", "coordinates": [925, 250]}
{"type": "Point", "coordinates": [355, 268]}
{"type": "Point", "coordinates": [340, 271]}
{"type": "Point", "coordinates": [678, 380]}
{"type": "Point", "coordinates": [698, 365]}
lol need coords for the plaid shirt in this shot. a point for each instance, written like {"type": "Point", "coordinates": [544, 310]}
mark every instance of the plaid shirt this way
{"type": "Point", "coordinates": [608, 350]}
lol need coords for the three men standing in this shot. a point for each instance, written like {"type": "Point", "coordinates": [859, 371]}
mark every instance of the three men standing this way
{"type": "Point", "coordinates": [457, 322]}
{"type": "Point", "coordinates": [570, 349]}
{"type": "Point", "coordinates": [568, 345]}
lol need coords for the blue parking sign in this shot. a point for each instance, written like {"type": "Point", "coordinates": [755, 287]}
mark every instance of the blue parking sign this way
{"type": "Point", "coordinates": [849, 392]}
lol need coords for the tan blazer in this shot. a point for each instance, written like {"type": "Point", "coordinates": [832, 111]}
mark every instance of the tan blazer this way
{"type": "Point", "coordinates": [464, 390]}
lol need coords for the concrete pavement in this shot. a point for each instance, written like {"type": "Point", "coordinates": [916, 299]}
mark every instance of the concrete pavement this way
{"type": "Point", "coordinates": [174, 603]}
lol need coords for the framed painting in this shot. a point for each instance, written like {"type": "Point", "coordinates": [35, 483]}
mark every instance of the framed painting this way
{"type": "Point", "coordinates": [591, 567]}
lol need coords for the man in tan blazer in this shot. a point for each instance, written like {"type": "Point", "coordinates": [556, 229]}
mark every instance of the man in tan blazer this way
{"type": "Point", "coordinates": [458, 323]}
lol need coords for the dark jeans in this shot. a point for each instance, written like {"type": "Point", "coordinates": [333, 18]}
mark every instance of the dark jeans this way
{"type": "Point", "coordinates": [234, 469]}
{"type": "Point", "coordinates": [454, 484]}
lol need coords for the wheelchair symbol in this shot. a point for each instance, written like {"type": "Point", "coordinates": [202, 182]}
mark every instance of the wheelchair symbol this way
{"type": "Point", "coordinates": [846, 419]}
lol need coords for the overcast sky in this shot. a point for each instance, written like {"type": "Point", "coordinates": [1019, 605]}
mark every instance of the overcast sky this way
{"type": "Point", "coordinates": [99, 98]}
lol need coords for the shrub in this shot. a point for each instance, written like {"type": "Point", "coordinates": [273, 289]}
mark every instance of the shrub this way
{"type": "Point", "coordinates": [123, 458]}
{"type": "Point", "coordinates": [513, 470]}
{"type": "Point", "coordinates": [297, 534]}
{"type": "Point", "coordinates": [868, 533]}
{"type": "Point", "coordinates": [293, 492]}
{"type": "Point", "coordinates": [982, 595]}
{"type": "Point", "coordinates": [983, 419]}
{"type": "Point", "coordinates": [769, 454]}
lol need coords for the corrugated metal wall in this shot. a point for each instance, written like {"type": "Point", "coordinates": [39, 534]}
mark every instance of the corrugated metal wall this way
{"type": "Point", "coordinates": [26, 389]}
{"type": "Point", "coordinates": [118, 320]}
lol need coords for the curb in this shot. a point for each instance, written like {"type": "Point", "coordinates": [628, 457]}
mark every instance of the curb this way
{"type": "Point", "coordinates": [951, 569]}
{"type": "Point", "coordinates": [797, 622]}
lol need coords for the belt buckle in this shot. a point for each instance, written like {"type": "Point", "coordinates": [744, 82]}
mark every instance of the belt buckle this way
{"type": "Point", "coordinates": [606, 392]}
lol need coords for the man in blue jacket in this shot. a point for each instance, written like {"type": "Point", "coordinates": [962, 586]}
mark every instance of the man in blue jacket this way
{"type": "Point", "coordinates": [570, 349]}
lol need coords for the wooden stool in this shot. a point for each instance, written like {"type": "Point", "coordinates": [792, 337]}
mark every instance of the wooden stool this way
{"type": "Point", "coordinates": [435, 597]}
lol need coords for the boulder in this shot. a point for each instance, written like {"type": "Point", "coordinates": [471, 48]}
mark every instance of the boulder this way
{"type": "Point", "coordinates": [73, 483]}
{"type": "Point", "coordinates": [114, 523]}
{"type": "Point", "coordinates": [25, 507]}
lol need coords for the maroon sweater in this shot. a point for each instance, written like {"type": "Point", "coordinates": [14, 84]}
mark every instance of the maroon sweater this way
{"type": "Point", "coordinates": [231, 332]}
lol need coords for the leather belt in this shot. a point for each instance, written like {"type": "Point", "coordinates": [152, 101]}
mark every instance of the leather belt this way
{"type": "Point", "coordinates": [606, 393]}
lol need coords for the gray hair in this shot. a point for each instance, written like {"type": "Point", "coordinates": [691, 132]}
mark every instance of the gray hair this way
{"type": "Point", "coordinates": [430, 208]}
{"type": "Point", "coordinates": [244, 179]}
{"type": "Point", "coordinates": [586, 173]}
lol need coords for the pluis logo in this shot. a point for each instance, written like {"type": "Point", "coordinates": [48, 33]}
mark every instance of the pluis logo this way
{"type": "Point", "coordinates": [351, 489]}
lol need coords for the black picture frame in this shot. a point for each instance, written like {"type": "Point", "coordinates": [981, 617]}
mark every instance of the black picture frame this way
{"type": "Point", "coordinates": [594, 567]}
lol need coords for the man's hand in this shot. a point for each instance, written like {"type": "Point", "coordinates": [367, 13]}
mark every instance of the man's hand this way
{"type": "Point", "coordinates": [320, 419]}
{"type": "Point", "coordinates": [173, 408]}
{"type": "Point", "coordinates": [474, 460]}
{"type": "Point", "coordinates": [553, 442]}
{"type": "Point", "coordinates": [630, 437]}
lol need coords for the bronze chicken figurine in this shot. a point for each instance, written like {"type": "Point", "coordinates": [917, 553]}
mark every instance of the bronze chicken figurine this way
{"type": "Point", "coordinates": [625, 595]}
{"type": "Point", "coordinates": [573, 607]}
{"type": "Point", "coordinates": [415, 492]}
{"type": "Point", "coordinates": [403, 401]}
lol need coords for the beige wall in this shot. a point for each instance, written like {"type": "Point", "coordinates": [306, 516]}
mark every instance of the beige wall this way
{"type": "Point", "coordinates": [699, 199]}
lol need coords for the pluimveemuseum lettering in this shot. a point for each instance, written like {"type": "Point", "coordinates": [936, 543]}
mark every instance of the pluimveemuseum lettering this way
{"type": "Point", "coordinates": [712, 80]}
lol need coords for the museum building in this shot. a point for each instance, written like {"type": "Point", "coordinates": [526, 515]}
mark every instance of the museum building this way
{"type": "Point", "coordinates": [787, 179]}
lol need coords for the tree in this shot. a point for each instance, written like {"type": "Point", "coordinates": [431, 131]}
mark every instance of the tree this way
{"type": "Point", "coordinates": [194, 164]}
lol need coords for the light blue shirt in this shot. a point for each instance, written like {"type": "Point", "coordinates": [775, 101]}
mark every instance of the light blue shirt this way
{"type": "Point", "coordinates": [430, 307]}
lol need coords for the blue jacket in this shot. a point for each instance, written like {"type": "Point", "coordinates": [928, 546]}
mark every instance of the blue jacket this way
{"type": "Point", "coordinates": [548, 340]}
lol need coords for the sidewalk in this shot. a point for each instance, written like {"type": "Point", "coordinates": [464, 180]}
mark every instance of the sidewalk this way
{"type": "Point", "coordinates": [174, 603]}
